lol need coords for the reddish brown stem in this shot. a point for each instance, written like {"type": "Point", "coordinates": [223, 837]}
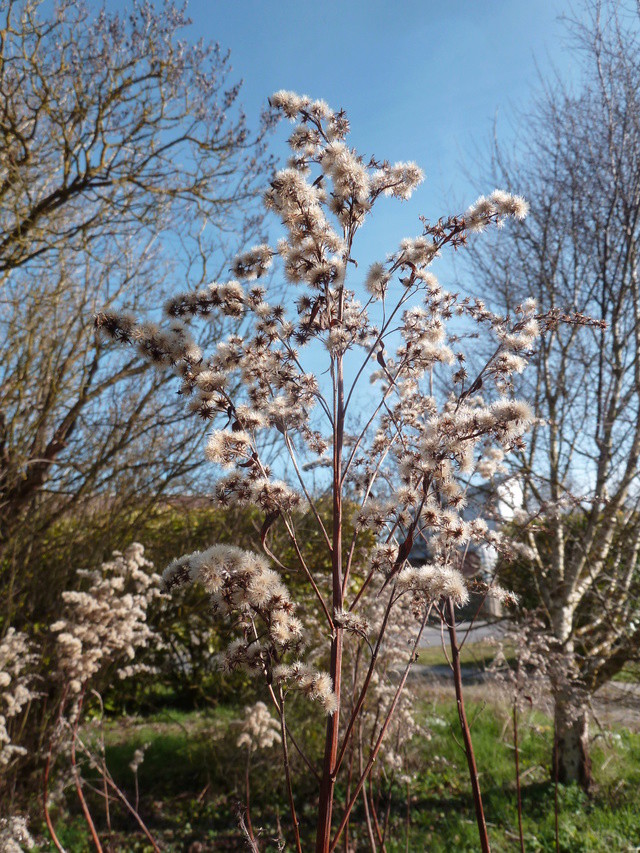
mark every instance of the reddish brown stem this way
{"type": "Point", "coordinates": [47, 770]}
{"type": "Point", "coordinates": [365, 685]}
{"type": "Point", "coordinates": [556, 807]}
{"type": "Point", "coordinates": [329, 767]}
{"type": "Point", "coordinates": [362, 589]}
{"type": "Point", "coordinates": [133, 812]}
{"type": "Point", "coordinates": [45, 801]}
{"type": "Point", "coordinates": [374, 815]}
{"type": "Point", "coordinates": [299, 749]}
{"type": "Point", "coordinates": [466, 734]}
{"type": "Point", "coordinates": [305, 569]}
{"type": "Point", "coordinates": [327, 785]}
{"type": "Point", "coordinates": [372, 840]}
{"type": "Point", "coordinates": [108, 779]}
{"type": "Point", "coordinates": [287, 773]}
{"type": "Point", "coordinates": [408, 818]}
{"type": "Point", "coordinates": [349, 783]}
{"type": "Point", "coordinates": [78, 783]}
{"type": "Point", "coordinates": [387, 814]}
{"type": "Point", "coordinates": [374, 752]}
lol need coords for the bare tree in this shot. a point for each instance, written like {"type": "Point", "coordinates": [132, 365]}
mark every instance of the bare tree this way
{"type": "Point", "coordinates": [125, 164]}
{"type": "Point", "coordinates": [579, 167]}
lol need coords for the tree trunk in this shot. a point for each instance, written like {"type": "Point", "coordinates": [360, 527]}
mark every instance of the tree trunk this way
{"type": "Point", "coordinates": [571, 762]}
{"type": "Point", "coordinates": [571, 758]}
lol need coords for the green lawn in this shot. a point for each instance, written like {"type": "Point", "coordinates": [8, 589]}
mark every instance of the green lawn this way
{"type": "Point", "coordinates": [191, 785]}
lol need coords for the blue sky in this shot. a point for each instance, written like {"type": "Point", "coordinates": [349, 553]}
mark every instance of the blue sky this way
{"type": "Point", "coordinates": [420, 80]}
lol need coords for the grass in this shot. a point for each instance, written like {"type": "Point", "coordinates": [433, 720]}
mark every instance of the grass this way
{"type": "Point", "coordinates": [629, 674]}
{"type": "Point", "coordinates": [191, 785]}
{"type": "Point", "coordinates": [609, 820]}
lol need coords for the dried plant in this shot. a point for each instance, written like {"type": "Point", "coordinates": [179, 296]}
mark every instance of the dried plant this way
{"type": "Point", "coordinates": [102, 629]}
{"type": "Point", "coordinates": [106, 624]}
{"type": "Point", "coordinates": [403, 452]}
{"type": "Point", "coordinates": [522, 667]}
{"type": "Point", "coordinates": [14, 835]}
{"type": "Point", "coordinates": [17, 686]}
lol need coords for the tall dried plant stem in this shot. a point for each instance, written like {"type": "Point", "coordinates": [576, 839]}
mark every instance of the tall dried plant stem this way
{"type": "Point", "coordinates": [364, 775]}
{"type": "Point", "coordinates": [365, 800]}
{"type": "Point", "coordinates": [45, 783]}
{"type": "Point", "coordinates": [466, 734]}
{"type": "Point", "coordinates": [374, 814]}
{"type": "Point", "coordinates": [349, 783]}
{"type": "Point", "coordinates": [109, 781]}
{"type": "Point", "coordinates": [556, 804]}
{"type": "Point", "coordinates": [517, 759]}
{"type": "Point", "coordinates": [297, 746]}
{"type": "Point", "coordinates": [387, 814]}
{"type": "Point", "coordinates": [287, 772]}
{"type": "Point", "coordinates": [45, 802]}
{"type": "Point", "coordinates": [103, 769]}
{"type": "Point", "coordinates": [77, 781]}
{"type": "Point", "coordinates": [125, 802]}
{"type": "Point", "coordinates": [355, 714]}
{"type": "Point", "coordinates": [105, 792]}
{"type": "Point", "coordinates": [408, 817]}
{"type": "Point", "coordinates": [247, 789]}
{"type": "Point", "coordinates": [329, 765]}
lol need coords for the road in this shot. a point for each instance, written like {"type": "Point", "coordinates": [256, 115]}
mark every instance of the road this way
{"type": "Point", "coordinates": [480, 631]}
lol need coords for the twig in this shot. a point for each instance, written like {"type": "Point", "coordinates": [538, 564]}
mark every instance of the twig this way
{"type": "Point", "coordinates": [134, 813]}
{"type": "Point", "coordinates": [374, 814]}
{"type": "Point", "coordinates": [378, 744]}
{"type": "Point", "coordinates": [45, 801]}
{"type": "Point", "coordinates": [299, 749]}
{"type": "Point", "coordinates": [517, 755]}
{"type": "Point", "coordinates": [287, 773]}
{"type": "Point", "coordinates": [369, 675]}
{"type": "Point", "coordinates": [76, 778]}
{"type": "Point", "coordinates": [385, 825]}
{"type": "Point", "coordinates": [372, 840]}
{"type": "Point", "coordinates": [249, 837]}
{"type": "Point", "coordinates": [122, 796]}
{"type": "Point", "coordinates": [247, 805]}
{"type": "Point", "coordinates": [466, 734]}
{"type": "Point", "coordinates": [408, 818]}
{"type": "Point", "coordinates": [104, 765]}
{"type": "Point", "coordinates": [555, 790]}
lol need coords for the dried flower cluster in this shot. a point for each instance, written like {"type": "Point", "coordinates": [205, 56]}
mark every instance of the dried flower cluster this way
{"type": "Point", "coordinates": [14, 835]}
{"type": "Point", "coordinates": [16, 688]}
{"type": "Point", "coordinates": [427, 444]}
{"type": "Point", "coordinates": [106, 624]}
{"type": "Point", "coordinates": [259, 730]}
{"type": "Point", "coordinates": [243, 587]}
{"type": "Point", "coordinates": [138, 758]}
{"type": "Point", "coordinates": [407, 452]}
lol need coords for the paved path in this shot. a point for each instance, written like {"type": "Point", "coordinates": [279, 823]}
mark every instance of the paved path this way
{"type": "Point", "coordinates": [480, 631]}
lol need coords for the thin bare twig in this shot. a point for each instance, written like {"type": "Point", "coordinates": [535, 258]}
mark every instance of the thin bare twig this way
{"type": "Point", "coordinates": [466, 734]}
{"type": "Point", "coordinates": [383, 730]}
{"type": "Point", "coordinates": [77, 780]}
{"type": "Point", "coordinates": [287, 773]}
